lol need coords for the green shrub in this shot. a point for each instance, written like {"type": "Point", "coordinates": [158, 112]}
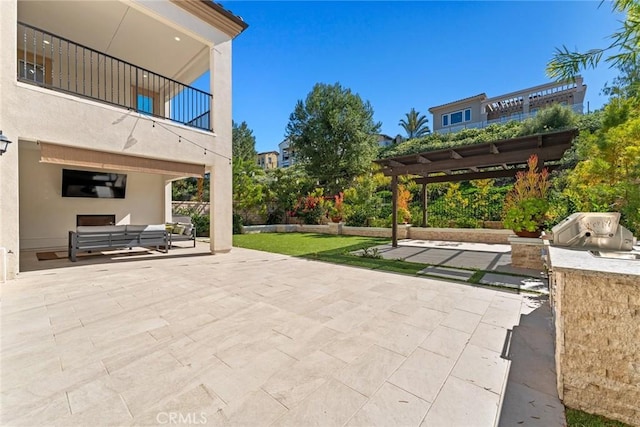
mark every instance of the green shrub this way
{"type": "Point", "coordinates": [202, 224]}
{"type": "Point", "coordinates": [237, 224]}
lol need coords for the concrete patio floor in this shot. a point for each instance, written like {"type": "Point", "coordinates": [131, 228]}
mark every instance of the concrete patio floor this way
{"type": "Point", "coordinates": [254, 338]}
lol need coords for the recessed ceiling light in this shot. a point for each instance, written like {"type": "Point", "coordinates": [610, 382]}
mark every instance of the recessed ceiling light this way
{"type": "Point", "coordinates": [46, 42]}
{"type": "Point", "coordinates": [145, 76]}
{"type": "Point", "coordinates": [176, 38]}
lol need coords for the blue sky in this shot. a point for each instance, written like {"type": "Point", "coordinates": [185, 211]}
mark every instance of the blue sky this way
{"type": "Point", "coordinates": [400, 55]}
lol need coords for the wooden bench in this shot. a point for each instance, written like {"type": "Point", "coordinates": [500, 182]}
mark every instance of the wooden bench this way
{"type": "Point", "coordinates": [89, 238]}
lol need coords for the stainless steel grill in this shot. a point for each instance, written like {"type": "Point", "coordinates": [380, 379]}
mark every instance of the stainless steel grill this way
{"type": "Point", "coordinates": [593, 230]}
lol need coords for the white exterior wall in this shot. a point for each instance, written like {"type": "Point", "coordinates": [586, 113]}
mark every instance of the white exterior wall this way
{"type": "Point", "coordinates": [29, 113]}
{"type": "Point", "coordinates": [9, 227]}
{"type": "Point", "coordinates": [41, 184]}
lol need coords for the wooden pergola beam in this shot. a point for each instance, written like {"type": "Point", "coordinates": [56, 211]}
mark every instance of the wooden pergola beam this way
{"type": "Point", "coordinates": [470, 176]}
{"type": "Point", "coordinates": [487, 160]}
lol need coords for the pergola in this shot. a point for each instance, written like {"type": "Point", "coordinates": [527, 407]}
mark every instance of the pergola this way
{"type": "Point", "coordinates": [495, 159]}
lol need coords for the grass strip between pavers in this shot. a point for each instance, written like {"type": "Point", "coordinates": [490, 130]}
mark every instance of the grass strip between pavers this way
{"type": "Point", "coordinates": [577, 418]}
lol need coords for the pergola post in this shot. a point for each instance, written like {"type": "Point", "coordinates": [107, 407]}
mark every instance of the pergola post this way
{"type": "Point", "coordinates": [424, 205]}
{"type": "Point", "coordinates": [394, 211]}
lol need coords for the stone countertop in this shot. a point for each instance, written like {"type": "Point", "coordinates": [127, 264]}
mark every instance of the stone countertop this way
{"type": "Point", "coordinates": [583, 260]}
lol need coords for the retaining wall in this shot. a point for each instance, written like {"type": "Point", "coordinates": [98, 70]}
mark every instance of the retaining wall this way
{"type": "Point", "coordinates": [472, 235]}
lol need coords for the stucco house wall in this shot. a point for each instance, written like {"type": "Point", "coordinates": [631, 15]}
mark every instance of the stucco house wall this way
{"type": "Point", "coordinates": [30, 114]}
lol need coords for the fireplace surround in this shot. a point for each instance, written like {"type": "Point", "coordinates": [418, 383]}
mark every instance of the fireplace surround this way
{"type": "Point", "coordinates": [95, 219]}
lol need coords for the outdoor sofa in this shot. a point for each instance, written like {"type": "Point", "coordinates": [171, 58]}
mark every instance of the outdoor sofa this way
{"type": "Point", "coordinates": [89, 238]}
{"type": "Point", "coordinates": [181, 229]}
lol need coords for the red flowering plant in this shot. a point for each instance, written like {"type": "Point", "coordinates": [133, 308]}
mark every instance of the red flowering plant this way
{"type": "Point", "coordinates": [336, 212]}
{"type": "Point", "coordinates": [526, 205]}
{"type": "Point", "coordinates": [312, 207]}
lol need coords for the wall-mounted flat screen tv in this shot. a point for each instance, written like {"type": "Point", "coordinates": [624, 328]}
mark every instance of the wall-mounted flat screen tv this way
{"type": "Point", "coordinates": [103, 185]}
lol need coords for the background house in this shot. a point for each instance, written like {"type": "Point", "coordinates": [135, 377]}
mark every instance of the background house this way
{"type": "Point", "coordinates": [287, 154]}
{"type": "Point", "coordinates": [479, 111]}
{"type": "Point", "coordinates": [268, 160]}
{"type": "Point", "coordinates": [105, 87]}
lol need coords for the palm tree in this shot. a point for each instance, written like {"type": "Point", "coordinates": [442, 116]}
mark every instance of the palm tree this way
{"type": "Point", "coordinates": [415, 125]}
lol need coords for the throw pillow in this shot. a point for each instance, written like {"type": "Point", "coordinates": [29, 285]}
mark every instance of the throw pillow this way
{"type": "Point", "coordinates": [187, 229]}
{"type": "Point", "coordinates": [178, 229]}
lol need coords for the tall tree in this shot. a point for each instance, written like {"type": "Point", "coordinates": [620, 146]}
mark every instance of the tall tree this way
{"type": "Point", "coordinates": [415, 124]}
{"type": "Point", "coordinates": [333, 134]}
{"type": "Point", "coordinates": [243, 142]}
{"type": "Point", "coordinates": [623, 47]}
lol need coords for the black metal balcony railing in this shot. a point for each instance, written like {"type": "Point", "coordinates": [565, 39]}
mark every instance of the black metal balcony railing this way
{"type": "Point", "coordinates": [56, 63]}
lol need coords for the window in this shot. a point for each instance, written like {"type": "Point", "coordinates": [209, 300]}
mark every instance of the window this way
{"type": "Point", "coordinates": [34, 68]}
{"type": "Point", "coordinates": [456, 117]}
{"type": "Point", "coordinates": [31, 72]}
{"type": "Point", "coordinates": [145, 104]}
{"type": "Point", "coordinates": [147, 101]}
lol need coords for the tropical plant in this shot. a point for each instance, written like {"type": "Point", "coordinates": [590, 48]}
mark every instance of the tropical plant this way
{"type": "Point", "coordinates": [526, 204]}
{"type": "Point", "coordinates": [312, 208]}
{"type": "Point", "coordinates": [333, 134]}
{"type": "Point", "coordinates": [607, 174]}
{"type": "Point", "coordinates": [336, 212]}
{"type": "Point", "coordinates": [415, 124]}
{"type": "Point", "coordinates": [566, 64]}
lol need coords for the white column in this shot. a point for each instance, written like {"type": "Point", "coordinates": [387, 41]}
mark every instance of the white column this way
{"type": "Point", "coordinates": [168, 198]}
{"type": "Point", "coordinates": [221, 173]}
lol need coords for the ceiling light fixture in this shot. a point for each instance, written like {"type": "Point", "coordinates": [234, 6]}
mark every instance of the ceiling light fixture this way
{"type": "Point", "coordinates": [176, 38]}
{"type": "Point", "coordinates": [46, 42]}
{"type": "Point", "coordinates": [145, 76]}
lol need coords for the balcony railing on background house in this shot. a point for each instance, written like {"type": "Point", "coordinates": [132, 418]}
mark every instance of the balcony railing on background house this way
{"type": "Point", "coordinates": [56, 63]}
{"type": "Point", "coordinates": [518, 117]}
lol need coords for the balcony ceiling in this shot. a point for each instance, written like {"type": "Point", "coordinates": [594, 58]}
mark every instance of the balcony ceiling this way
{"type": "Point", "coordinates": [121, 31]}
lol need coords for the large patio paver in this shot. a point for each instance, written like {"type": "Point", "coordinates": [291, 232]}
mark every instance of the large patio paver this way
{"type": "Point", "coordinates": [249, 338]}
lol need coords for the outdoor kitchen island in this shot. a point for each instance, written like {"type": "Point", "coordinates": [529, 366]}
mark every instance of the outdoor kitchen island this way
{"type": "Point", "coordinates": [595, 297]}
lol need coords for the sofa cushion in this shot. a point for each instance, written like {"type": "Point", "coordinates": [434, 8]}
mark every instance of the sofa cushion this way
{"type": "Point", "coordinates": [152, 227]}
{"type": "Point", "coordinates": [101, 228]}
{"type": "Point", "coordinates": [186, 228]}
{"type": "Point", "coordinates": [178, 229]}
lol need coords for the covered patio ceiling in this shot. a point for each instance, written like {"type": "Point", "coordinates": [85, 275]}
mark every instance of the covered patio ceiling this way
{"type": "Point", "coordinates": [503, 158]}
{"type": "Point", "coordinates": [122, 31]}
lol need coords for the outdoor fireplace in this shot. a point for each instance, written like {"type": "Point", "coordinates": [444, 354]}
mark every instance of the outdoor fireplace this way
{"type": "Point", "coordinates": [93, 219]}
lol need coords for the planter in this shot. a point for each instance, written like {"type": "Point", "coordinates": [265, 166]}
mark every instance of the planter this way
{"type": "Point", "coordinates": [530, 234]}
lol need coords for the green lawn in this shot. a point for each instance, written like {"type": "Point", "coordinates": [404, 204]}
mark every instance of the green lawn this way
{"type": "Point", "coordinates": [301, 244]}
{"type": "Point", "coordinates": [323, 247]}
{"type": "Point", "coordinates": [577, 418]}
